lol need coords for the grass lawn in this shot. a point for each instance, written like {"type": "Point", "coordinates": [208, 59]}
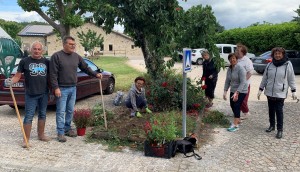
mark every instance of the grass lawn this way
{"type": "Point", "coordinates": [124, 73]}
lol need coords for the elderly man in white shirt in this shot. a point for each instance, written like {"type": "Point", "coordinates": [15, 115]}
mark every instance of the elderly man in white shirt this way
{"type": "Point", "coordinates": [244, 61]}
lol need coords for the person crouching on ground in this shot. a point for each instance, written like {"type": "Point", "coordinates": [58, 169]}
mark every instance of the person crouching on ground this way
{"type": "Point", "coordinates": [236, 80]}
{"type": "Point", "coordinates": [136, 98]}
{"type": "Point", "coordinates": [210, 76]}
{"type": "Point", "coordinates": [278, 76]}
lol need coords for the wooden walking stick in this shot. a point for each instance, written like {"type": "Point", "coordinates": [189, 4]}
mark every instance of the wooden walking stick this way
{"type": "Point", "coordinates": [19, 117]}
{"type": "Point", "coordinates": [104, 114]}
{"type": "Point", "coordinates": [9, 51]}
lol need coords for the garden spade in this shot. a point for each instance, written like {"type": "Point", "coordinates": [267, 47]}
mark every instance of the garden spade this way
{"type": "Point", "coordinates": [9, 51]}
{"type": "Point", "coordinates": [104, 115]}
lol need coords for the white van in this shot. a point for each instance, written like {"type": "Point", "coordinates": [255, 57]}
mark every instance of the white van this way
{"type": "Point", "coordinates": [226, 49]}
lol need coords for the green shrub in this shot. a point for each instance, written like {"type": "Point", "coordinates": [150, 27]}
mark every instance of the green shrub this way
{"type": "Point", "coordinates": [97, 116]}
{"type": "Point", "coordinates": [161, 128]}
{"type": "Point", "coordinates": [216, 118]}
{"type": "Point", "coordinates": [165, 92]}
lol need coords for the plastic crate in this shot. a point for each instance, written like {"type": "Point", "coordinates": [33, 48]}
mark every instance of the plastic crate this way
{"type": "Point", "coordinates": [164, 151]}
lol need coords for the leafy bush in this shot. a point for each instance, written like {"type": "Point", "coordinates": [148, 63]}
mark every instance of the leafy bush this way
{"type": "Point", "coordinates": [216, 118]}
{"type": "Point", "coordinates": [161, 128]}
{"type": "Point", "coordinates": [165, 92]}
{"type": "Point", "coordinates": [97, 116]}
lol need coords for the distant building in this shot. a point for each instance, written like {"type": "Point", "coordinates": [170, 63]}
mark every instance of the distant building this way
{"type": "Point", "coordinates": [115, 43]}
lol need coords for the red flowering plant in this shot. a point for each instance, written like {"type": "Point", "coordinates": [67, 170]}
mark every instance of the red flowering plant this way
{"type": "Point", "coordinates": [82, 117]}
{"type": "Point", "coordinates": [161, 129]}
{"type": "Point", "coordinates": [164, 93]}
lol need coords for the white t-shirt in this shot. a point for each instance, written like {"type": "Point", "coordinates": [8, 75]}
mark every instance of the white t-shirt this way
{"type": "Point", "coordinates": [247, 64]}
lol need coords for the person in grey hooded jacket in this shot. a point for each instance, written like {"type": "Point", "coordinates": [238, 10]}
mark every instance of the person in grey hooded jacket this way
{"type": "Point", "coordinates": [136, 98]}
{"type": "Point", "coordinates": [278, 76]}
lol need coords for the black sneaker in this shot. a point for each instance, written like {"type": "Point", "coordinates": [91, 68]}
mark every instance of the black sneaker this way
{"type": "Point", "coordinates": [61, 138]}
{"type": "Point", "coordinates": [71, 133]}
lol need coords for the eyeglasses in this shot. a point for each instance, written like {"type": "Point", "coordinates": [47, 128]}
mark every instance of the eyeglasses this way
{"type": "Point", "coordinates": [72, 44]}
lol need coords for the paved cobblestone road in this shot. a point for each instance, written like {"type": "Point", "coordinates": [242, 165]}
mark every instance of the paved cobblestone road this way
{"type": "Point", "coordinates": [249, 149]}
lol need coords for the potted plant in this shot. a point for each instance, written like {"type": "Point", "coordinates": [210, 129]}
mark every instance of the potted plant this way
{"type": "Point", "coordinates": [161, 132]}
{"type": "Point", "coordinates": [81, 120]}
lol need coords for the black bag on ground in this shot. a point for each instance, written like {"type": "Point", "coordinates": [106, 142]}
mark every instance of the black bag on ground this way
{"type": "Point", "coordinates": [186, 146]}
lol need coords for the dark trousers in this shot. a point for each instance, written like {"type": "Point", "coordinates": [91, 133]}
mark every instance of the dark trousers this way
{"type": "Point", "coordinates": [236, 106]}
{"type": "Point", "coordinates": [210, 90]}
{"type": "Point", "coordinates": [244, 107]}
{"type": "Point", "coordinates": [140, 102]}
{"type": "Point", "coordinates": [276, 107]}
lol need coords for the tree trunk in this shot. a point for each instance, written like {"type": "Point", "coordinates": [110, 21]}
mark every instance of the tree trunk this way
{"type": "Point", "coordinates": [153, 62]}
{"type": "Point", "coordinates": [64, 30]}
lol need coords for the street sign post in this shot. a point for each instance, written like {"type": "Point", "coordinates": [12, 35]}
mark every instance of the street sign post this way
{"type": "Point", "coordinates": [187, 67]}
{"type": "Point", "coordinates": [187, 60]}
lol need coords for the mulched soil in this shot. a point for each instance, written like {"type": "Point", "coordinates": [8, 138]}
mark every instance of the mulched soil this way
{"type": "Point", "coordinates": [131, 128]}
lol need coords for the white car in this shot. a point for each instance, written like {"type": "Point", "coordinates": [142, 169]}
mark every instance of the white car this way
{"type": "Point", "coordinates": [226, 49]}
{"type": "Point", "coordinates": [196, 56]}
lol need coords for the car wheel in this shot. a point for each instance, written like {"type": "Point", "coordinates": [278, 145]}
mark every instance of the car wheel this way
{"type": "Point", "coordinates": [199, 61]}
{"type": "Point", "coordinates": [110, 87]}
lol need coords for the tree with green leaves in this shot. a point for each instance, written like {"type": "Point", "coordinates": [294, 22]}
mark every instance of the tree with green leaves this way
{"type": "Point", "coordinates": [153, 25]}
{"type": "Point", "coordinates": [11, 27]}
{"type": "Point", "coordinates": [90, 40]}
{"type": "Point", "coordinates": [68, 14]}
{"type": "Point", "coordinates": [197, 29]}
{"type": "Point", "coordinates": [297, 18]}
{"type": "Point", "coordinates": [150, 24]}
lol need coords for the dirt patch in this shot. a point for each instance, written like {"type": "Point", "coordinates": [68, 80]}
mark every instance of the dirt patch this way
{"type": "Point", "coordinates": [131, 129]}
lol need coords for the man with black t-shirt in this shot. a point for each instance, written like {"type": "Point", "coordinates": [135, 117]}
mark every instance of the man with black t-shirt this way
{"type": "Point", "coordinates": [35, 70]}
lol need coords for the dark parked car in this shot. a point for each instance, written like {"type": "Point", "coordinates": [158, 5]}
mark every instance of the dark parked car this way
{"type": "Point", "coordinates": [86, 85]}
{"type": "Point", "coordinates": [260, 62]}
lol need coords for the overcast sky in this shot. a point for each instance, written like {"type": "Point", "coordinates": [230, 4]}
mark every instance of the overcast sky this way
{"type": "Point", "coordinates": [229, 13]}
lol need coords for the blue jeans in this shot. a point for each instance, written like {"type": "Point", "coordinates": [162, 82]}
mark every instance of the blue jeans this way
{"type": "Point", "coordinates": [32, 103]}
{"type": "Point", "coordinates": [64, 109]}
{"type": "Point", "coordinates": [236, 106]}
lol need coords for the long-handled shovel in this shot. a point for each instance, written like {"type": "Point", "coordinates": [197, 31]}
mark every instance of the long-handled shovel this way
{"type": "Point", "coordinates": [9, 51]}
{"type": "Point", "coordinates": [104, 114]}
{"type": "Point", "coordinates": [19, 117]}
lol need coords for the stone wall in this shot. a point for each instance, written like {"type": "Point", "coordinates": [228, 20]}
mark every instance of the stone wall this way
{"type": "Point", "coordinates": [121, 45]}
{"type": "Point", "coordinates": [28, 40]}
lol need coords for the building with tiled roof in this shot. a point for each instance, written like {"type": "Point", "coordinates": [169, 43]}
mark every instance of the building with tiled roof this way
{"type": "Point", "coordinates": [115, 43]}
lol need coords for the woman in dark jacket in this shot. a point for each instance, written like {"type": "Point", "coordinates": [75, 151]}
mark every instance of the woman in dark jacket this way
{"type": "Point", "coordinates": [210, 76]}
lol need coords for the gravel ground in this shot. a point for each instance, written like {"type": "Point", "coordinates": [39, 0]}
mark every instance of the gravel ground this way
{"type": "Point", "coordinates": [249, 149]}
